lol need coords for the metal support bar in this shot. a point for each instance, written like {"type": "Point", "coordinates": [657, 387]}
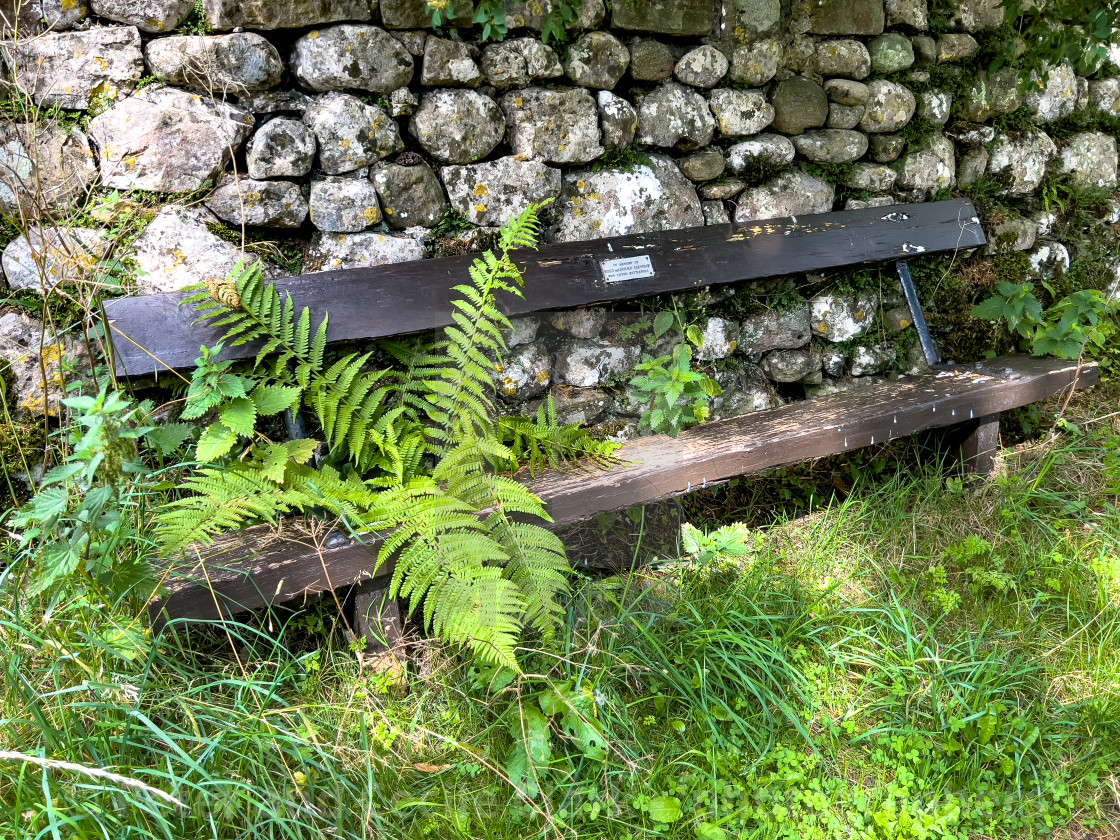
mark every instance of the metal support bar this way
{"type": "Point", "coordinates": [928, 347]}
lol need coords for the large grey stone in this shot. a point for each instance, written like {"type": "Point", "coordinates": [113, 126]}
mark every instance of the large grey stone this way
{"type": "Point", "coordinates": [222, 64]}
{"type": "Point", "coordinates": [991, 95]}
{"type": "Point", "coordinates": [846, 92]}
{"type": "Point", "coordinates": [674, 115]}
{"type": "Point", "coordinates": [556, 126]}
{"type": "Point", "coordinates": [844, 116]}
{"type": "Point", "coordinates": [934, 106]}
{"type": "Point", "coordinates": [587, 364]}
{"type": "Point", "coordinates": [32, 17]}
{"type": "Point", "coordinates": [1055, 98]}
{"type": "Point", "coordinates": [757, 18]}
{"type": "Point", "coordinates": [890, 53]}
{"type": "Point", "coordinates": [928, 167]}
{"type": "Point", "coordinates": [149, 15]}
{"type": "Point", "coordinates": [799, 103]}
{"type": "Point", "coordinates": [650, 61]}
{"type": "Point", "coordinates": [756, 64]}
{"type": "Point", "coordinates": [597, 60]}
{"type": "Point", "coordinates": [417, 14]}
{"type": "Point", "coordinates": [702, 67]}
{"type": "Point", "coordinates": [790, 194]}
{"type": "Point", "coordinates": [44, 258]}
{"type": "Point", "coordinates": [885, 148]}
{"type": "Point", "coordinates": [351, 56]}
{"type": "Point", "coordinates": [525, 373]}
{"type": "Point", "coordinates": [1104, 95]}
{"type": "Point", "coordinates": [1022, 160]}
{"type": "Point", "coordinates": [846, 57]}
{"type": "Point", "coordinates": [720, 339]}
{"type": "Point", "coordinates": [457, 126]}
{"type": "Point", "coordinates": [791, 365]}
{"type": "Point", "coordinates": [684, 18]}
{"type": "Point", "coordinates": [343, 205]}
{"type": "Point", "coordinates": [410, 195]}
{"type": "Point", "coordinates": [40, 365]}
{"type": "Point", "coordinates": [831, 145]}
{"type": "Point", "coordinates": [491, 193]}
{"type": "Point", "coordinates": [872, 177]}
{"type": "Point", "coordinates": [911, 13]}
{"type": "Point", "coordinates": [448, 63]}
{"type": "Point", "coordinates": [870, 360]}
{"type": "Point", "coordinates": [532, 13]}
{"type": "Point", "coordinates": [703, 165]}
{"type": "Point", "coordinates": [955, 46]}
{"type": "Point", "coordinates": [974, 15]}
{"type": "Point", "coordinates": [278, 204]}
{"type": "Point", "coordinates": [771, 149]}
{"type": "Point", "coordinates": [618, 121]}
{"type": "Point", "coordinates": [351, 134]}
{"type": "Point", "coordinates": [517, 62]}
{"type": "Point", "coordinates": [889, 107]}
{"type": "Point", "coordinates": [613, 202]}
{"type": "Point", "coordinates": [167, 140]}
{"type": "Point", "coordinates": [281, 148]}
{"type": "Point", "coordinates": [290, 14]}
{"type": "Point", "coordinates": [847, 17]}
{"type": "Point", "coordinates": [787, 330]}
{"type": "Point", "coordinates": [740, 113]}
{"type": "Point", "coordinates": [1090, 159]}
{"type": "Point", "coordinates": [44, 169]}
{"type": "Point", "coordinates": [77, 69]}
{"type": "Point", "coordinates": [338, 251]}
{"type": "Point", "coordinates": [839, 317]}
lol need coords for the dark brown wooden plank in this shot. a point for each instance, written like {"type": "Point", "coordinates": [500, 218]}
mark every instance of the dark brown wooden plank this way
{"type": "Point", "coordinates": [257, 567]}
{"type": "Point", "coordinates": [152, 334]}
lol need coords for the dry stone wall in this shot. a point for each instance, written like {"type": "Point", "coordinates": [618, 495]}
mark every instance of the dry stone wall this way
{"type": "Point", "coordinates": [361, 129]}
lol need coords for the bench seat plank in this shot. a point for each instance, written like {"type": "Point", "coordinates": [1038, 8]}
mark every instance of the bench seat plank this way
{"type": "Point", "coordinates": [262, 565]}
{"type": "Point", "coordinates": [152, 333]}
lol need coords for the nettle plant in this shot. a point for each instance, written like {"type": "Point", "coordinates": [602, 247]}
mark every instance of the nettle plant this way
{"type": "Point", "coordinates": [415, 453]}
{"type": "Point", "coordinates": [1082, 322]}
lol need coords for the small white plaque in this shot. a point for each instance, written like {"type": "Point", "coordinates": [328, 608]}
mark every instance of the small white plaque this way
{"type": "Point", "coordinates": [627, 268]}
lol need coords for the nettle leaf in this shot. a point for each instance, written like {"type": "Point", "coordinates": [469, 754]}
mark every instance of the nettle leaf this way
{"type": "Point", "coordinates": [531, 751]}
{"type": "Point", "coordinates": [215, 443]}
{"type": "Point", "coordinates": [272, 399]}
{"type": "Point", "coordinates": [662, 323]}
{"type": "Point", "coordinates": [240, 415]}
{"type": "Point", "coordinates": [168, 438]}
{"type": "Point", "coordinates": [46, 504]}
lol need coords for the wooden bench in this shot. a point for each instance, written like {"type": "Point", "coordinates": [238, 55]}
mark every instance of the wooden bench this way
{"type": "Point", "coordinates": [261, 566]}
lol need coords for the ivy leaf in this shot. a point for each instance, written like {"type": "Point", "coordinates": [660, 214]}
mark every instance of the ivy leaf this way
{"type": "Point", "coordinates": [239, 416]}
{"type": "Point", "coordinates": [665, 809]}
{"type": "Point", "coordinates": [215, 442]}
{"type": "Point", "coordinates": [272, 399]}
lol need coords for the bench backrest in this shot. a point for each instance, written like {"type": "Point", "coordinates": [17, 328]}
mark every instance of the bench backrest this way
{"type": "Point", "coordinates": [153, 333]}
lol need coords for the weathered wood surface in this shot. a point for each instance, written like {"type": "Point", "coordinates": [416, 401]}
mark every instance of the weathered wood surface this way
{"type": "Point", "coordinates": [153, 334]}
{"type": "Point", "coordinates": [259, 567]}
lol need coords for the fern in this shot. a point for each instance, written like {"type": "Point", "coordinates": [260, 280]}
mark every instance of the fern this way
{"type": "Point", "coordinates": [544, 442]}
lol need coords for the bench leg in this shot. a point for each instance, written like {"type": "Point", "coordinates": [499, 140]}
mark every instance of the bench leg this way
{"type": "Point", "coordinates": [377, 618]}
{"type": "Point", "coordinates": [978, 450]}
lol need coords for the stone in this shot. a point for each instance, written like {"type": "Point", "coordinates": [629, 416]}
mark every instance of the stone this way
{"type": "Point", "coordinates": [844, 116]}
{"type": "Point", "coordinates": [715, 213]}
{"type": "Point", "coordinates": [77, 70]}
{"type": "Point", "coordinates": [448, 63]}
{"type": "Point", "coordinates": [351, 134]}
{"type": "Point", "coordinates": [339, 251]}
{"type": "Point", "coordinates": [870, 360]}
{"type": "Point", "coordinates": [925, 50]}
{"type": "Point", "coordinates": [222, 64]}
{"type": "Point", "coordinates": [721, 338]}
{"type": "Point", "coordinates": [281, 148]}
{"type": "Point", "coordinates": [772, 149]}
{"type": "Point", "coordinates": [556, 126]}
{"type": "Point", "coordinates": [897, 319]}
{"type": "Point", "coordinates": [1048, 261]}
{"type": "Point", "coordinates": [972, 164]}
{"type": "Point", "coordinates": [702, 67]}
{"type": "Point", "coordinates": [847, 17]}
{"type": "Point", "coordinates": [991, 95]}
{"type": "Point", "coordinates": [517, 62]}
{"type": "Point", "coordinates": [890, 53]}
{"type": "Point", "coordinates": [413, 40]}
{"type": "Point", "coordinates": [680, 18]}
{"type": "Point", "coordinates": [911, 13]}
{"type": "Point", "coordinates": [799, 103]}
{"type": "Point", "coordinates": [343, 205]}
{"type": "Point", "coordinates": [934, 106]}
{"type": "Point", "coordinates": [278, 204]}
{"type": "Point", "coordinates": [457, 126]}
{"type": "Point", "coordinates": [740, 113]}
{"type": "Point", "coordinates": [1021, 160]}
{"type": "Point", "coordinates": [597, 60]}
{"type": "Point", "coordinates": [848, 58]}
{"type": "Point", "coordinates": [147, 15]}
{"type": "Point", "coordinates": [618, 121]}
{"type": "Point", "coordinates": [290, 14]}
{"type": "Point", "coordinates": [790, 365]}
{"type": "Point", "coordinates": [525, 373]}
{"type": "Point", "coordinates": [846, 92]}
{"type": "Point", "coordinates": [491, 193]}
{"type": "Point", "coordinates": [758, 18]}
{"type": "Point", "coordinates": [833, 362]}
{"type": "Point", "coordinates": [1089, 159]}
{"type": "Point", "coordinates": [674, 115]}
{"type": "Point", "coordinates": [874, 201]}
{"type": "Point", "coordinates": [589, 14]}
{"type": "Point", "coordinates": [522, 330]}
{"type": "Point", "coordinates": [839, 317]}
{"type": "Point", "coordinates": [756, 64]}
{"type": "Point", "coordinates": [44, 258]}
{"type": "Point", "coordinates": [885, 148]}
{"type": "Point", "coordinates": [722, 190]}
{"type": "Point", "coordinates": [275, 102]}
{"type": "Point", "coordinates": [44, 169]}
{"type": "Point", "coordinates": [790, 194]}
{"type": "Point", "coordinates": [1056, 96]}
{"type": "Point", "coordinates": [32, 17]}
{"type": "Point", "coordinates": [614, 202]}
{"type": "Point", "coordinates": [650, 61]}
{"type": "Point", "coordinates": [40, 364]}
{"type": "Point", "coordinates": [579, 405]}
{"type": "Point", "coordinates": [351, 55]}
{"type": "Point", "coordinates": [410, 195]}
{"type": "Point", "coordinates": [889, 107]}
{"type": "Point", "coordinates": [872, 177]}
{"type": "Point", "coordinates": [703, 165]}
{"type": "Point", "coordinates": [1104, 95]}
{"type": "Point", "coordinates": [1011, 234]}
{"type": "Point", "coordinates": [167, 140]}
{"type": "Point", "coordinates": [974, 15]}
{"type": "Point", "coordinates": [417, 14]}
{"type": "Point", "coordinates": [956, 46]}
{"type": "Point", "coordinates": [177, 249]}
{"type": "Point", "coordinates": [775, 330]}
{"type": "Point", "coordinates": [831, 145]}
{"type": "Point", "coordinates": [403, 103]}
{"type": "Point", "coordinates": [588, 364]}
{"type": "Point", "coordinates": [585, 322]}
{"type": "Point", "coordinates": [928, 167]}
{"type": "Point", "coordinates": [1082, 94]}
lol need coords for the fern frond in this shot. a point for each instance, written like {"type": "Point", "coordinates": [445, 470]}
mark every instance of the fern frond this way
{"type": "Point", "coordinates": [544, 443]}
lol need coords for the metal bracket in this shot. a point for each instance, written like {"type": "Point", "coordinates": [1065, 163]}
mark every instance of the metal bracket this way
{"type": "Point", "coordinates": [928, 347]}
